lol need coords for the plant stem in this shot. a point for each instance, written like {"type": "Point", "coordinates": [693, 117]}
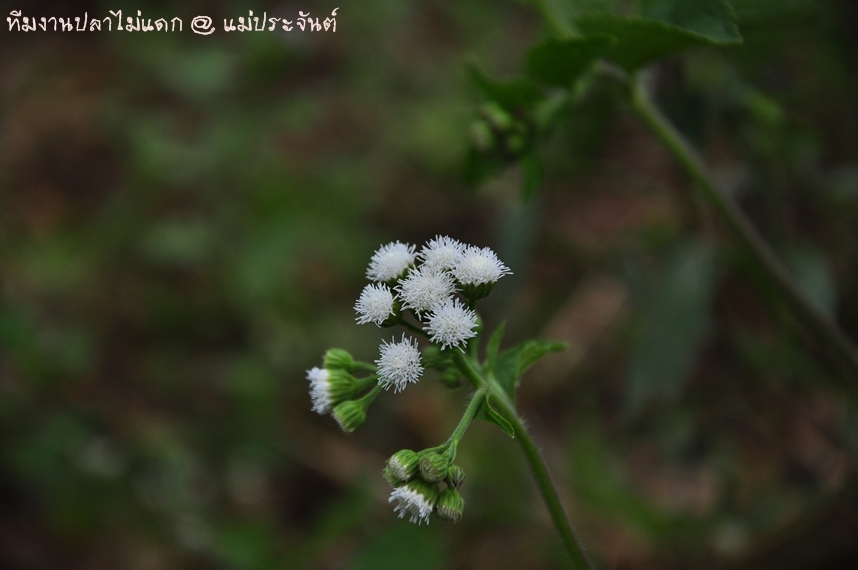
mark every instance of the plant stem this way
{"type": "Point", "coordinates": [548, 491]}
{"type": "Point", "coordinates": [504, 406]}
{"type": "Point", "coordinates": [364, 383]}
{"type": "Point", "coordinates": [761, 253]}
{"type": "Point", "coordinates": [467, 418]}
{"type": "Point", "coordinates": [371, 395]}
{"type": "Point", "coordinates": [412, 327]}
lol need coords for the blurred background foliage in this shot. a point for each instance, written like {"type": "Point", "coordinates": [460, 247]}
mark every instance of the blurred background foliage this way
{"type": "Point", "coordinates": [184, 226]}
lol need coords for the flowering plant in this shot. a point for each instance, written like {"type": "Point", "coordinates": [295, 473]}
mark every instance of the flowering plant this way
{"type": "Point", "coordinates": [433, 294]}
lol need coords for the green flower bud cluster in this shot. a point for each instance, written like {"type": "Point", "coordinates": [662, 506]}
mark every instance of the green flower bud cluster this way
{"type": "Point", "coordinates": [501, 134]}
{"type": "Point", "coordinates": [335, 390]}
{"type": "Point", "coordinates": [416, 478]}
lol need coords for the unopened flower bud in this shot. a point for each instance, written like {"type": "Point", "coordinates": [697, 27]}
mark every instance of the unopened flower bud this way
{"type": "Point", "coordinates": [404, 464]}
{"type": "Point", "coordinates": [389, 476]}
{"type": "Point", "coordinates": [482, 136]}
{"type": "Point", "coordinates": [455, 476]}
{"type": "Point", "coordinates": [339, 359]}
{"type": "Point", "coordinates": [433, 467]}
{"type": "Point", "coordinates": [451, 377]}
{"type": "Point", "coordinates": [497, 116]}
{"type": "Point", "coordinates": [450, 505]}
{"type": "Point", "coordinates": [515, 143]}
{"type": "Point", "coordinates": [350, 414]}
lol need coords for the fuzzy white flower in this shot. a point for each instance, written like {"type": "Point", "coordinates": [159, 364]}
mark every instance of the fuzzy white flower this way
{"type": "Point", "coordinates": [390, 261]}
{"type": "Point", "coordinates": [479, 266]}
{"type": "Point", "coordinates": [425, 288]}
{"type": "Point", "coordinates": [399, 364]}
{"type": "Point", "coordinates": [451, 324]}
{"type": "Point", "coordinates": [375, 304]}
{"type": "Point", "coordinates": [320, 389]}
{"type": "Point", "coordinates": [416, 499]}
{"type": "Point", "coordinates": [441, 253]}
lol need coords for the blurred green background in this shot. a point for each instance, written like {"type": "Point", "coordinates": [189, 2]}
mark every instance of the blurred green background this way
{"type": "Point", "coordinates": [185, 223]}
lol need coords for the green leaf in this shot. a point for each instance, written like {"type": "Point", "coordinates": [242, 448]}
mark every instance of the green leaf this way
{"type": "Point", "coordinates": [531, 174]}
{"type": "Point", "coordinates": [669, 27]}
{"type": "Point", "coordinates": [814, 275]}
{"type": "Point", "coordinates": [515, 362]}
{"type": "Point", "coordinates": [488, 413]}
{"type": "Point", "coordinates": [493, 346]}
{"type": "Point", "coordinates": [713, 19]}
{"type": "Point", "coordinates": [561, 62]}
{"type": "Point", "coordinates": [513, 94]}
{"type": "Point", "coordinates": [676, 322]}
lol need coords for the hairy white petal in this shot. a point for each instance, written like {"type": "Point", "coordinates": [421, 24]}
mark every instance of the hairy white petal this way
{"type": "Point", "coordinates": [451, 324]}
{"type": "Point", "coordinates": [375, 304]}
{"type": "Point", "coordinates": [320, 389]}
{"type": "Point", "coordinates": [425, 288]}
{"type": "Point", "coordinates": [390, 261]}
{"type": "Point", "coordinates": [399, 364]}
{"type": "Point", "coordinates": [441, 253]}
{"type": "Point", "coordinates": [478, 266]}
{"type": "Point", "coordinates": [411, 502]}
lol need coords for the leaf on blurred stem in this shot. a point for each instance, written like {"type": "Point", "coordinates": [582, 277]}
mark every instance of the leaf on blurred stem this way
{"type": "Point", "coordinates": [513, 94]}
{"type": "Point", "coordinates": [666, 27]}
{"type": "Point", "coordinates": [561, 62]}
{"type": "Point", "coordinates": [514, 362]}
{"type": "Point", "coordinates": [676, 321]}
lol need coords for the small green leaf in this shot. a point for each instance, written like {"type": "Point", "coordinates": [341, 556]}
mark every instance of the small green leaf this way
{"type": "Point", "coordinates": [493, 346]}
{"type": "Point", "coordinates": [667, 28]}
{"type": "Point", "coordinates": [487, 413]}
{"type": "Point", "coordinates": [513, 94]}
{"type": "Point", "coordinates": [561, 62]}
{"type": "Point", "coordinates": [515, 361]}
{"type": "Point", "coordinates": [531, 174]}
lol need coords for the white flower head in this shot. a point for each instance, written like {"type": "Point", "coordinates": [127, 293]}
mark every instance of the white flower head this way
{"type": "Point", "coordinates": [416, 499]}
{"type": "Point", "coordinates": [451, 324]}
{"type": "Point", "coordinates": [441, 253]}
{"type": "Point", "coordinates": [390, 261]}
{"type": "Point", "coordinates": [320, 389]}
{"type": "Point", "coordinates": [375, 304]}
{"type": "Point", "coordinates": [425, 288]}
{"type": "Point", "coordinates": [399, 364]}
{"type": "Point", "coordinates": [479, 266]}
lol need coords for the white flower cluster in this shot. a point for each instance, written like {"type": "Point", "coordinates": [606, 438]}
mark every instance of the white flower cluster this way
{"type": "Point", "coordinates": [426, 283]}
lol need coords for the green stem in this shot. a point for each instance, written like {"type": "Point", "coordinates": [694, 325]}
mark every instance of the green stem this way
{"type": "Point", "coordinates": [547, 489]}
{"type": "Point", "coordinates": [364, 383]}
{"type": "Point", "coordinates": [466, 367]}
{"type": "Point", "coordinates": [535, 461]}
{"type": "Point", "coordinates": [762, 255]}
{"type": "Point", "coordinates": [372, 394]}
{"type": "Point", "coordinates": [467, 418]}
{"type": "Point", "coordinates": [412, 327]}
